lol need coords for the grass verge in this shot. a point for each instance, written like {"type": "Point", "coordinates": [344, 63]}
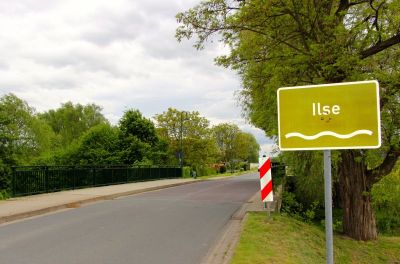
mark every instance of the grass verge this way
{"type": "Point", "coordinates": [282, 239]}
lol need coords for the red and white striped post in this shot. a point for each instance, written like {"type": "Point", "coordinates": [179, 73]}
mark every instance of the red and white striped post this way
{"type": "Point", "coordinates": [266, 179]}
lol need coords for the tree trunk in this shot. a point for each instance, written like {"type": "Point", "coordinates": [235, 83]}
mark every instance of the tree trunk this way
{"type": "Point", "coordinates": [358, 216]}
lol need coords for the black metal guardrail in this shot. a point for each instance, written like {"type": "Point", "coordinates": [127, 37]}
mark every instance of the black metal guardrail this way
{"type": "Point", "coordinates": [28, 180]}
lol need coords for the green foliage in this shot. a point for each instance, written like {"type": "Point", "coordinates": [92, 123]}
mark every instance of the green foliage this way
{"type": "Point", "coordinates": [133, 142]}
{"type": "Point", "coordinates": [144, 162]}
{"type": "Point", "coordinates": [186, 172]}
{"type": "Point", "coordinates": [132, 149]}
{"type": "Point", "coordinates": [4, 194]}
{"type": "Point", "coordinates": [305, 212]}
{"type": "Point", "coordinates": [5, 176]}
{"type": "Point", "coordinates": [137, 137]}
{"type": "Point", "coordinates": [134, 124]}
{"type": "Point", "coordinates": [278, 172]}
{"type": "Point", "coordinates": [290, 205]}
{"type": "Point", "coordinates": [159, 153]}
{"type": "Point", "coordinates": [70, 121]}
{"type": "Point", "coordinates": [99, 145]}
{"type": "Point", "coordinates": [235, 144]}
{"type": "Point", "coordinates": [244, 166]}
{"type": "Point", "coordinates": [226, 137]}
{"type": "Point", "coordinates": [308, 168]}
{"type": "Point", "coordinates": [204, 171]}
{"type": "Point", "coordinates": [200, 144]}
{"type": "Point", "coordinates": [23, 136]}
{"type": "Point", "coordinates": [386, 201]}
{"type": "Point", "coordinates": [189, 131]}
{"type": "Point", "coordinates": [275, 44]}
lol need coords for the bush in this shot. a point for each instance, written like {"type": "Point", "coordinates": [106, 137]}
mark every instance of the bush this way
{"type": "Point", "coordinates": [388, 222]}
{"type": "Point", "coordinates": [186, 172]}
{"type": "Point", "coordinates": [204, 171]}
{"type": "Point", "coordinates": [5, 180]}
{"type": "Point", "coordinates": [244, 166]}
{"type": "Point", "coordinates": [292, 207]}
{"type": "Point", "coordinates": [386, 202]}
{"type": "Point", "coordinates": [4, 195]}
{"type": "Point", "coordinates": [278, 173]}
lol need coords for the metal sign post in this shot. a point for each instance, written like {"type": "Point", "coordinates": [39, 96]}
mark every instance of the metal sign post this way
{"type": "Point", "coordinates": [328, 206]}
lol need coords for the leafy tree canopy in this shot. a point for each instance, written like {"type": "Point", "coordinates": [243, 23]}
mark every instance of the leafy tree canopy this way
{"type": "Point", "coordinates": [99, 145]}
{"type": "Point", "coordinates": [70, 121]}
{"type": "Point", "coordinates": [22, 135]}
{"type": "Point", "coordinates": [137, 137]}
{"type": "Point", "coordinates": [235, 144]}
{"type": "Point", "coordinates": [281, 43]}
{"type": "Point", "coordinates": [187, 132]}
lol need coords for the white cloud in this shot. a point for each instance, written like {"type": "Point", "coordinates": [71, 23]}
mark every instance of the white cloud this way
{"type": "Point", "coordinates": [118, 54]}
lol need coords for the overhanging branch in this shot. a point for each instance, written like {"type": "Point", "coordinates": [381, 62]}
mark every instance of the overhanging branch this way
{"type": "Point", "coordinates": [386, 166]}
{"type": "Point", "coordinates": [380, 46]}
{"type": "Point", "coordinates": [346, 4]}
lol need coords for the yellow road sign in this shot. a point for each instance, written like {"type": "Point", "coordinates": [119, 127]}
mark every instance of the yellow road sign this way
{"type": "Point", "coordinates": [329, 116]}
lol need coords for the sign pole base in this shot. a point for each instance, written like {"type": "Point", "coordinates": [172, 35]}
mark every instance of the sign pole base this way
{"type": "Point", "coordinates": [328, 206]}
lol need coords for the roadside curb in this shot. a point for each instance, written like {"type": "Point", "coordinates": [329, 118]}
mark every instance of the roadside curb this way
{"type": "Point", "coordinates": [19, 216]}
{"type": "Point", "coordinates": [223, 249]}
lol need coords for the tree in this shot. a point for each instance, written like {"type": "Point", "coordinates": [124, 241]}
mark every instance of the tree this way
{"type": "Point", "coordinates": [246, 147]}
{"type": "Point", "coordinates": [70, 121]}
{"type": "Point", "coordinates": [189, 133]}
{"type": "Point", "coordinates": [137, 138]}
{"type": "Point", "coordinates": [99, 145]}
{"type": "Point", "coordinates": [288, 43]}
{"type": "Point", "coordinates": [23, 136]}
{"type": "Point", "coordinates": [235, 144]}
{"type": "Point", "coordinates": [226, 135]}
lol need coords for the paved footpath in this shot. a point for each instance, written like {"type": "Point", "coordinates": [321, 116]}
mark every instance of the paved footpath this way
{"type": "Point", "coordinates": [28, 206]}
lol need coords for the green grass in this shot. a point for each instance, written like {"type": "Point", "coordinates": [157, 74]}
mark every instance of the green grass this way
{"type": "Point", "coordinates": [282, 239]}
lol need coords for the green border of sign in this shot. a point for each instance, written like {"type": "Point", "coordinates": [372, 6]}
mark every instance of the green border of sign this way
{"type": "Point", "coordinates": [329, 147]}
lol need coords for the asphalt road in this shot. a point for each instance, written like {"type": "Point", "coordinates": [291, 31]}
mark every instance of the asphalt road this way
{"type": "Point", "coordinates": [175, 225]}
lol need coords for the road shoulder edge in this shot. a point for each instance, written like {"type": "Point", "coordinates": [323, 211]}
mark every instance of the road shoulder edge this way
{"type": "Point", "coordinates": [224, 247]}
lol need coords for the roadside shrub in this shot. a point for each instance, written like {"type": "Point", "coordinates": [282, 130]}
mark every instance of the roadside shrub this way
{"type": "Point", "coordinates": [311, 213]}
{"type": "Point", "coordinates": [4, 194]}
{"type": "Point", "coordinates": [278, 173]}
{"type": "Point", "coordinates": [222, 169]}
{"type": "Point", "coordinates": [386, 202]}
{"type": "Point", "coordinates": [291, 206]}
{"type": "Point", "coordinates": [5, 181]}
{"type": "Point", "coordinates": [243, 166]}
{"type": "Point", "coordinates": [186, 172]}
{"type": "Point", "coordinates": [204, 171]}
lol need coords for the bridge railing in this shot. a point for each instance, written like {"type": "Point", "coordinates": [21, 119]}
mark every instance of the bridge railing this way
{"type": "Point", "coordinates": [28, 180]}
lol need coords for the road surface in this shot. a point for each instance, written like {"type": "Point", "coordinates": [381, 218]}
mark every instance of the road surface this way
{"type": "Point", "coordinates": [175, 225]}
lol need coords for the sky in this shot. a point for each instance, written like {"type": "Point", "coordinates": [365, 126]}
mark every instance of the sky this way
{"type": "Point", "coordinates": [118, 54]}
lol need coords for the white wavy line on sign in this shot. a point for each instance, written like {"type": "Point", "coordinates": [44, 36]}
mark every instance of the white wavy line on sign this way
{"type": "Point", "coordinates": [329, 133]}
